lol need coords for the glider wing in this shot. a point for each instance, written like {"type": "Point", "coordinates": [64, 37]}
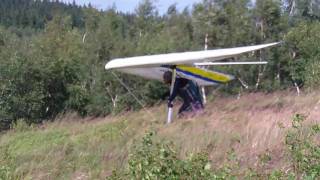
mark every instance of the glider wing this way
{"type": "Point", "coordinates": [182, 58]}
{"type": "Point", "coordinates": [153, 66]}
{"type": "Point", "coordinates": [203, 77]}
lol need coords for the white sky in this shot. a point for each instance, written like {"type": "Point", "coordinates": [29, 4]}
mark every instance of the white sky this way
{"type": "Point", "coordinates": [130, 5]}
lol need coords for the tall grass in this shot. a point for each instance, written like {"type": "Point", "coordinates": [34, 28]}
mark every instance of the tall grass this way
{"type": "Point", "coordinates": [240, 139]}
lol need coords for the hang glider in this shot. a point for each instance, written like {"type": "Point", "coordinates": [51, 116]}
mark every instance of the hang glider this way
{"type": "Point", "coordinates": [185, 64]}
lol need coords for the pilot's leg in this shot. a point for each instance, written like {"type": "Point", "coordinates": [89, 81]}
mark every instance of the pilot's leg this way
{"type": "Point", "coordinates": [186, 107]}
{"type": "Point", "coordinates": [197, 108]}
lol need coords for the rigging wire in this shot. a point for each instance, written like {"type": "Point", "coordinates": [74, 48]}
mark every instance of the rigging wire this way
{"type": "Point", "coordinates": [135, 97]}
{"type": "Point", "coordinates": [245, 85]}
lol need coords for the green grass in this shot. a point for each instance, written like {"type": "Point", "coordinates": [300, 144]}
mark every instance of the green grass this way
{"type": "Point", "coordinates": [59, 152]}
{"type": "Point", "coordinates": [239, 137]}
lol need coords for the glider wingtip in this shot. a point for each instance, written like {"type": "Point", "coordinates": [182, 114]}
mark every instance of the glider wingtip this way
{"type": "Point", "coordinates": [273, 43]}
{"type": "Point", "coordinates": [278, 43]}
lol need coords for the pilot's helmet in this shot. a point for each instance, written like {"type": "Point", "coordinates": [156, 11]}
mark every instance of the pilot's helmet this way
{"type": "Point", "coordinates": [167, 77]}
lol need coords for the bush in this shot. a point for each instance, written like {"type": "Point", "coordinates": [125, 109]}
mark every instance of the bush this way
{"type": "Point", "coordinates": [303, 41]}
{"type": "Point", "coordinates": [304, 148]}
{"type": "Point", "coordinates": [159, 160]}
{"type": "Point", "coordinates": [5, 173]}
{"type": "Point", "coordinates": [21, 125]}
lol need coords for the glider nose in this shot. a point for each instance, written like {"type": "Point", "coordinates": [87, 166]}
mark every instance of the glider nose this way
{"type": "Point", "coordinates": [114, 64]}
{"type": "Point", "coordinates": [109, 65]}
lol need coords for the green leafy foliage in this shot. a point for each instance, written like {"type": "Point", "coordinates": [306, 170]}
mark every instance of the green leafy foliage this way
{"type": "Point", "coordinates": [159, 160]}
{"type": "Point", "coordinates": [303, 144]}
{"type": "Point", "coordinates": [303, 42]}
{"type": "Point", "coordinates": [36, 13]}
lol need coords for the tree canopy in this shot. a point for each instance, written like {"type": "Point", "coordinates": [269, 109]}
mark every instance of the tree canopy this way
{"type": "Point", "coordinates": [52, 54]}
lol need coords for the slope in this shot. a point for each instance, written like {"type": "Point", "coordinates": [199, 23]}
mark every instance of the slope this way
{"type": "Point", "coordinates": [250, 131]}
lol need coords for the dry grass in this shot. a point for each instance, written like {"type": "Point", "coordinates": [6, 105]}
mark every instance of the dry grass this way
{"type": "Point", "coordinates": [248, 128]}
{"type": "Point", "coordinates": [251, 126]}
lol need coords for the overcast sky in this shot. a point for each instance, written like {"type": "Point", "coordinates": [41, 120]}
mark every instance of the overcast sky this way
{"type": "Point", "coordinates": [130, 5]}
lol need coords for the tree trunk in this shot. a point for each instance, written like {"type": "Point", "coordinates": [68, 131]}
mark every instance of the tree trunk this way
{"type": "Point", "coordinates": [294, 82]}
{"type": "Point", "coordinates": [114, 99]}
{"type": "Point", "coordinates": [260, 73]}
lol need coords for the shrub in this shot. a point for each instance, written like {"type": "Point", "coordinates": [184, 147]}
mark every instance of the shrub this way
{"type": "Point", "coordinates": [5, 173]}
{"type": "Point", "coordinates": [21, 125]}
{"type": "Point", "coordinates": [159, 160]}
{"type": "Point", "coordinates": [304, 149]}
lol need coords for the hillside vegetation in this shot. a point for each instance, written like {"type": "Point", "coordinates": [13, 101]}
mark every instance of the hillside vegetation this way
{"type": "Point", "coordinates": [52, 58]}
{"type": "Point", "coordinates": [52, 54]}
{"type": "Point", "coordinates": [258, 136]}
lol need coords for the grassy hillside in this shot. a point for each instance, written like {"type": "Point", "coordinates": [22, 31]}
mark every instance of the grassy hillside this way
{"type": "Point", "coordinates": [258, 135]}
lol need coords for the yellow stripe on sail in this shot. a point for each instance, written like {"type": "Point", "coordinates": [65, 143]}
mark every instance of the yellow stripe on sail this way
{"type": "Point", "coordinates": [211, 75]}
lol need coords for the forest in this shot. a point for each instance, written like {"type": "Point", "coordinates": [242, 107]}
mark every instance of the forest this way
{"type": "Point", "coordinates": [52, 54]}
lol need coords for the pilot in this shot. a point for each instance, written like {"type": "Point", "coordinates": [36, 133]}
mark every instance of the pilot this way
{"type": "Point", "coordinates": [188, 91]}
